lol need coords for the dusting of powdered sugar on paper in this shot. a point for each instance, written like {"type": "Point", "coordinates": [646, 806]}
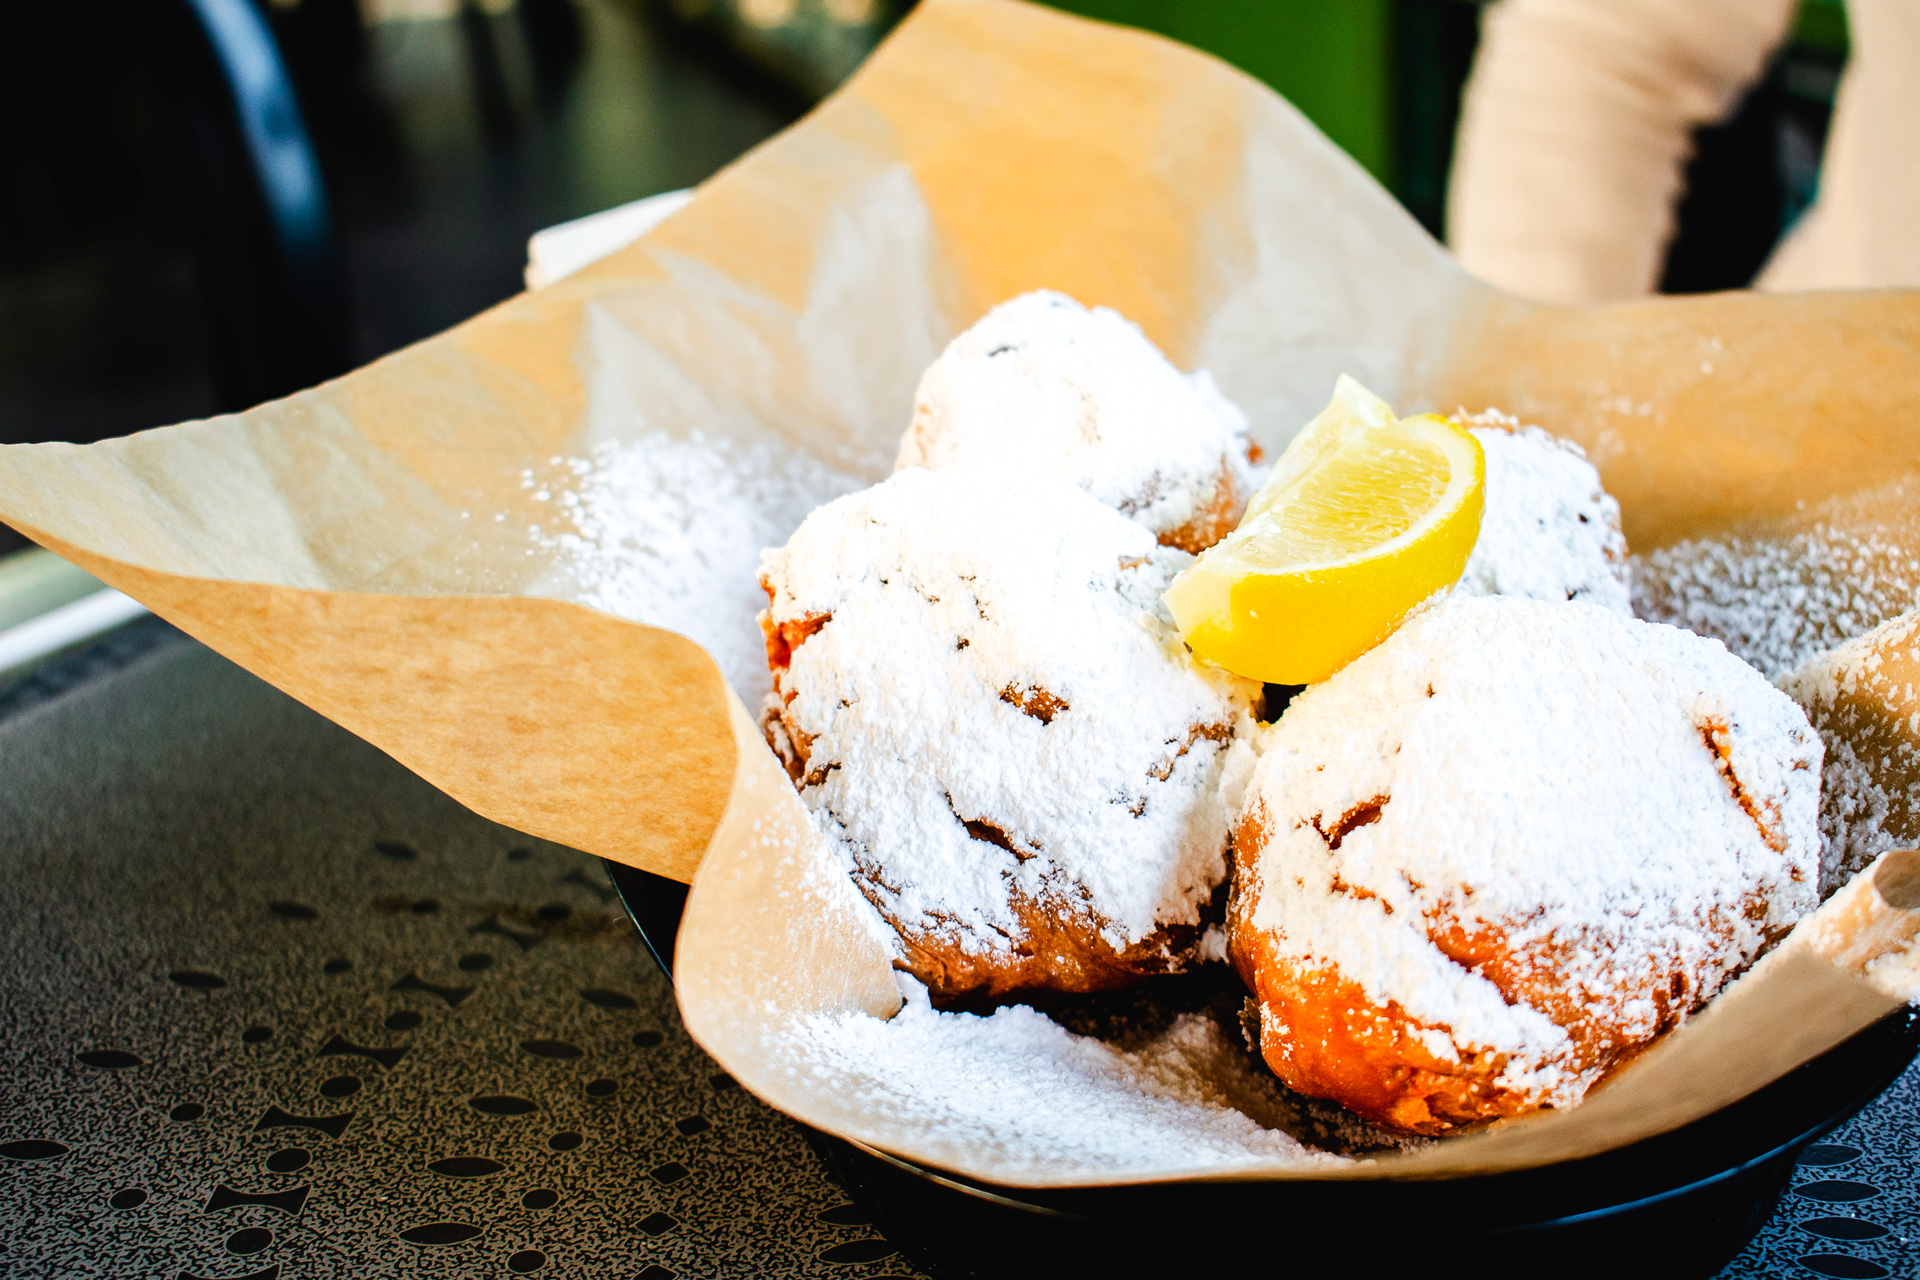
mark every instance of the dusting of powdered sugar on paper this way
{"type": "Point", "coordinates": [1778, 598]}
{"type": "Point", "coordinates": [668, 531]}
{"type": "Point", "coordinates": [1020, 1093]}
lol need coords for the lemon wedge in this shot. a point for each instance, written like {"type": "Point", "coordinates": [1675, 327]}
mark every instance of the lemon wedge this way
{"type": "Point", "coordinates": [1365, 516]}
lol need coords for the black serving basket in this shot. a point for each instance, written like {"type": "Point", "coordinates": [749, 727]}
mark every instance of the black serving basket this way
{"type": "Point", "coordinates": [1682, 1204]}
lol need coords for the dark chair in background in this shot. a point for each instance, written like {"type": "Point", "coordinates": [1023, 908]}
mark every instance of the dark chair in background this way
{"type": "Point", "coordinates": [156, 165]}
{"type": "Point", "coordinates": [167, 248]}
{"type": "Point", "coordinates": [279, 308]}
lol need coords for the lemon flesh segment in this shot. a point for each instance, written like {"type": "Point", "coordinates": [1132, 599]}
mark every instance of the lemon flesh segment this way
{"type": "Point", "coordinates": [1365, 517]}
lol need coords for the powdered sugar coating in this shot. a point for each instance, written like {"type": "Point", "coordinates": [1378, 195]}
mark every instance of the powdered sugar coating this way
{"type": "Point", "coordinates": [1045, 388]}
{"type": "Point", "coordinates": [1550, 531]}
{"type": "Point", "coordinates": [1626, 801]}
{"type": "Point", "coordinates": [996, 653]}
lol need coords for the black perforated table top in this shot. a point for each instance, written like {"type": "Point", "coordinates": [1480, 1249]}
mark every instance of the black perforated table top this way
{"type": "Point", "coordinates": [270, 1006]}
{"type": "Point", "coordinates": [273, 1007]}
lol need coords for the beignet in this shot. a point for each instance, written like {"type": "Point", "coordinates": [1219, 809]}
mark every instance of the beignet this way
{"type": "Point", "coordinates": [984, 704]}
{"type": "Point", "coordinates": [1549, 531]}
{"type": "Point", "coordinates": [1044, 388]}
{"type": "Point", "coordinates": [1502, 852]}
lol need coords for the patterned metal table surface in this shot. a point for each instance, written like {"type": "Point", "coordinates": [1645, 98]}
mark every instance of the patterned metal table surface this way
{"type": "Point", "coordinates": [270, 1006]}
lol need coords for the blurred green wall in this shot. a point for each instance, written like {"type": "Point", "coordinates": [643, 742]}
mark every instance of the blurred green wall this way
{"type": "Point", "coordinates": [1383, 78]}
{"type": "Point", "coordinates": [1333, 59]}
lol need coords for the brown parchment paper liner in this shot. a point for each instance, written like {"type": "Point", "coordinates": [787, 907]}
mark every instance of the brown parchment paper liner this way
{"type": "Point", "coordinates": [376, 548]}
